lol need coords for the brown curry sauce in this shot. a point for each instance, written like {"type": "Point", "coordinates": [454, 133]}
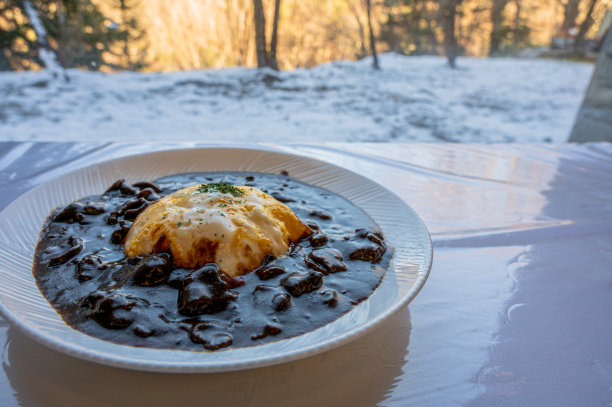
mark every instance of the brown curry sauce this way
{"type": "Point", "coordinates": [82, 270]}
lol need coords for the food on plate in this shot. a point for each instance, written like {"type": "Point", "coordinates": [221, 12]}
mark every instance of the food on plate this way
{"type": "Point", "coordinates": [235, 227]}
{"type": "Point", "coordinates": [205, 261]}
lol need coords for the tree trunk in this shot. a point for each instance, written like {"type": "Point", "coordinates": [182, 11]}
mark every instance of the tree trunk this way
{"type": "Point", "coordinates": [274, 41]}
{"type": "Point", "coordinates": [449, 12]}
{"type": "Point", "coordinates": [355, 12]}
{"type": "Point", "coordinates": [126, 45]}
{"type": "Point", "coordinates": [497, 19]}
{"type": "Point", "coordinates": [375, 64]}
{"type": "Point", "coordinates": [415, 28]}
{"type": "Point", "coordinates": [48, 56]}
{"type": "Point", "coordinates": [586, 24]}
{"type": "Point", "coordinates": [260, 33]}
{"type": "Point", "coordinates": [570, 13]}
{"type": "Point", "coordinates": [517, 23]}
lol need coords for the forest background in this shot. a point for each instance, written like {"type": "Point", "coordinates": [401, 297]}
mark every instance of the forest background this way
{"type": "Point", "coordinates": [161, 35]}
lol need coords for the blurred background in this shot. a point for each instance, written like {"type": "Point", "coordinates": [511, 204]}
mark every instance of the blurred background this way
{"type": "Point", "coordinates": [161, 35]}
{"type": "Point", "coordinates": [532, 48]}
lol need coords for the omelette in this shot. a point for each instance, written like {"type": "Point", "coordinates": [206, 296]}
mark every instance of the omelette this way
{"type": "Point", "coordinates": [233, 226]}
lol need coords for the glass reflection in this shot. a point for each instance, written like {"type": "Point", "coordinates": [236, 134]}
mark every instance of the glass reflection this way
{"type": "Point", "coordinates": [361, 373]}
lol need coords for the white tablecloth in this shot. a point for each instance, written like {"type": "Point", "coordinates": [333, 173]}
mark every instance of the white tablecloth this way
{"type": "Point", "coordinates": [517, 310]}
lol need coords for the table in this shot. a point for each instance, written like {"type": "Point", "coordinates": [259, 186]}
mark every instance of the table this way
{"type": "Point", "coordinates": [517, 309]}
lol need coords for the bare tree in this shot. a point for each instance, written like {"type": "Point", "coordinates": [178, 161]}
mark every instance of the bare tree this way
{"type": "Point", "coordinates": [517, 23]}
{"type": "Point", "coordinates": [259, 17]}
{"type": "Point", "coordinates": [585, 25]}
{"type": "Point", "coordinates": [448, 15]}
{"type": "Point", "coordinates": [48, 55]}
{"type": "Point", "coordinates": [372, 39]}
{"type": "Point", "coordinates": [265, 58]}
{"type": "Point", "coordinates": [570, 13]}
{"type": "Point", "coordinates": [274, 41]}
{"type": "Point", "coordinates": [497, 19]}
{"type": "Point", "coordinates": [362, 39]}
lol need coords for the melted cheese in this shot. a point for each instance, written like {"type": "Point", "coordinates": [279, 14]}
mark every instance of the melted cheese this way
{"type": "Point", "coordinates": [204, 227]}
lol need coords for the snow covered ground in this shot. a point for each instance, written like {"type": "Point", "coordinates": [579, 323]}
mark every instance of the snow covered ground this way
{"type": "Point", "coordinates": [410, 99]}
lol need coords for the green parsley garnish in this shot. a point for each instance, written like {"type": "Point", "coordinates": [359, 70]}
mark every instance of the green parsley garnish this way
{"type": "Point", "coordinates": [222, 188]}
{"type": "Point", "coordinates": [178, 225]}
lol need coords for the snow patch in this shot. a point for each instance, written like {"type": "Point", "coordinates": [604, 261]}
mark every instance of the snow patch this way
{"type": "Point", "coordinates": [410, 99]}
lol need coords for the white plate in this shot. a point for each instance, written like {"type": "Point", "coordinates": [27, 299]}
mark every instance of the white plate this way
{"type": "Point", "coordinates": [23, 305]}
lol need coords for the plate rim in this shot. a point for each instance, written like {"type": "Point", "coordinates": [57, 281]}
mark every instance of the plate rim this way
{"type": "Point", "coordinates": [198, 367]}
